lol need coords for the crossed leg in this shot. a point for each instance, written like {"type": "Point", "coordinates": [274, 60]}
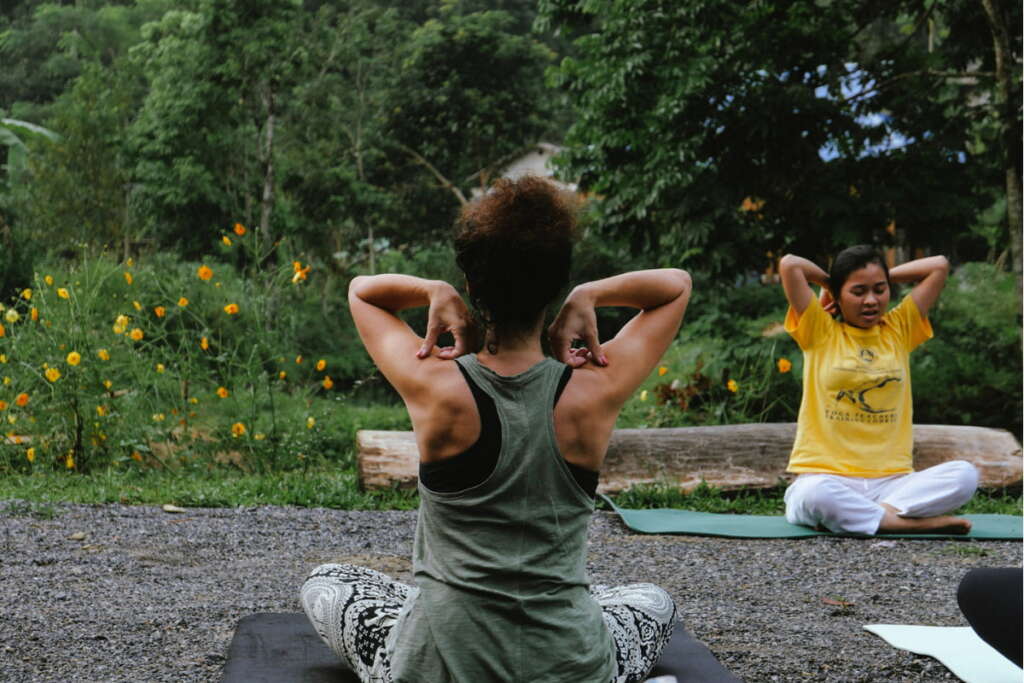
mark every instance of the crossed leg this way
{"type": "Point", "coordinates": [909, 503]}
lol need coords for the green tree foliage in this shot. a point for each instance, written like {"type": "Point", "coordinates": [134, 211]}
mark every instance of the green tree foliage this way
{"type": "Point", "coordinates": [202, 142]}
{"type": "Point", "coordinates": [79, 185]}
{"type": "Point", "coordinates": [44, 46]}
{"type": "Point", "coordinates": [337, 171]}
{"type": "Point", "coordinates": [452, 116]}
{"type": "Point", "coordinates": [720, 132]}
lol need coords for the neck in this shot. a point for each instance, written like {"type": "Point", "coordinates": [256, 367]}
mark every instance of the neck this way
{"type": "Point", "coordinates": [513, 355]}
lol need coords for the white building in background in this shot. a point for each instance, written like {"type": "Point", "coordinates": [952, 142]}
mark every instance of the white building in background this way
{"type": "Point", "coordinates": [535, 160]}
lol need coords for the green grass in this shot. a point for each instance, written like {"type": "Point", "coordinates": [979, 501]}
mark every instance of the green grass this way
{"type": "Point", "coordinates": [770, 501]}
{"type": "Point", "coordinates": [333, 487]}
{"type": "Point", "coordinates": [217, 487]}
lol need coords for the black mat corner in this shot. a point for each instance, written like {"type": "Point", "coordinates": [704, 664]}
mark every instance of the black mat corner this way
{"type": "Point", "coordinates": [273, 647]}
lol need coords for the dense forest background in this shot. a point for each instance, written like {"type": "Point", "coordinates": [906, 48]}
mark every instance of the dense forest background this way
{"type": "Point", "coordinates": [288, 145]}
{"type": "Point", "coordinates": [713, 134]}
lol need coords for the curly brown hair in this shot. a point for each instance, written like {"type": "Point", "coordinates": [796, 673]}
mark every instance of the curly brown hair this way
{"type": "Point", "coordinates": [514, 245]}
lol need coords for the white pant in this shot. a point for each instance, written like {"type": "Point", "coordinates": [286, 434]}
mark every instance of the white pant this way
{"type": "Point", "coordinates": [852, 504]}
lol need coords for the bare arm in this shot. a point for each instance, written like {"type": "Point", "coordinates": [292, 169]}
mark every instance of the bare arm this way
{"type": "Point", "coordinates": [661, 295]}
{"type": "Point", "coordinates": [930, 275]}
{"type": "Point", "coordinates": [375, 301]}
{"type": "Point", "coordinates": [798, 274]}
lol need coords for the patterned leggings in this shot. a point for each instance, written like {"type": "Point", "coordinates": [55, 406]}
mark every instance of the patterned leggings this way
{"type": "Point", "coordinates": [354, 608]}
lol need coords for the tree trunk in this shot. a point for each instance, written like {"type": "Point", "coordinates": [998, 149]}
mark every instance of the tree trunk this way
{"type": "Point", "coordinates": [728, 456]}
{"type": "Point", "coordinates": [267, 202]}
{"type": "Point", "coordinates": [1010, 131]}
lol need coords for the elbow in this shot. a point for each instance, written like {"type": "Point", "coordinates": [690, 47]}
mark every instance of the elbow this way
{"type": "Point", "coordinates": [942, 265]}
{"type": "Point", "coordinates": [682, 280]}
{"type": "Point", "coordinates": [356, 285]}
{"type": "Point", "coordinates": [686, 281]}
{"type": "Point", "coordinates": [786, 262]}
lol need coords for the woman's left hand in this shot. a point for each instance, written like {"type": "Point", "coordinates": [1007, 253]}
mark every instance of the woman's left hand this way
{"type": "Point", "coordinates": [448, 313]}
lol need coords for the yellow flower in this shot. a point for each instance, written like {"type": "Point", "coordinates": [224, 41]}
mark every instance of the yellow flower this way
{"type": "Point", "coordinates": [3, 332]}
{"type": "Point", "coordinates": [3, 406]}
{"type": "Point", "coordinates": [310, 422]}
{"type": "Point", "coordinates": [103, 354]}
{"type": "Point", "coordinates": [3, 357]}
{"type": "Point", "coordinates": [328, 383]}
{"type": "Point", "coordinates": [237, 429]}
{"type": "Point", "coordinates": [31, 454]}
{"type": "Point", "coordinates": [321, 364]}
{"type": "Point", "coordinates": [101, 411]}
{"type": "Point", "coordinates": [107, 383]}
{"type": "Point", "coordinates": [239, 229]}
{"type": "Point", "coordinates": [128, 277]}
{"type": "Point", "coordinates": [52, 374]}
{"type": "Point", "coordinates": [204, 343]}
{"type": "Point", "coordinates": [136, 334]}
{"type": "Point", "coordinates": [34, 314]}
{"type": "Point", "coordinates": [282, 374]}
{"type": "Point", "coordinates": [11, 316]}
{"type": "Point", "coordinates": [160, 311]}
{"type": "Point", "coordinates": [26, 294]}
{"type": "Point", "coordinates": [21, 400]}
{"type": "Point", "coordinates": [74, 358]}
{"type": "Point", "coordinates": [204, 273]}
{"type": "Point", "coordinates": [182, 302]}
{"type": "Point", "coordinates": [120, 324]}
{"type": "Point", "coordinates": [63, 293]}
{"type": "Point", "coordinates": [259, 436]}
{"type": "Point", "coordinates": [160, 368]}
{"type": "Point", "coordinates": [784, 365]}
{"type": "Point", "coordinates": [226, 240]}
{"type": "Point", "coordinates": [222, 392]}
{"type": "Point", "coordinates": [300, 272]}
{"type": "Point", "coordinates": [193, 400]}
{"type": "Point", "coordinates": [732, 386]}
{"type": "Point", "coordinates": [69, 461]}
{"type": "Point", "coordinates": [136, 456]}
{"type": "Point", "coordinates": [48, 280]}
{"type": "Point", "coordinates": [231, 309]}
{"type": "Point", "coordinates": [137, 305]}
{"type": "Point", "coordinates": [643, 395]}
{"type": "Point", "coordinates": [130, 262]}
{"type": "Point", "coordinates": [298, 359]}
{"type": "Point", "coordinates": [159, 417]}
{"type": "Point", "coordinates": [662, 371]}
{"type": "Point", "coordinates": [7, 380]}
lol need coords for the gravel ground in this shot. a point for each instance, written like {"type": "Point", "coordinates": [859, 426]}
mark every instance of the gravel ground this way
{"type": "Point", "coordinates": [132, 593]}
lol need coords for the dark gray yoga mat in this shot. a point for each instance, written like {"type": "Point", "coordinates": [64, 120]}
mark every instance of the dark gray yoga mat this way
{"type": "Point", "coordinates": [283, 648]}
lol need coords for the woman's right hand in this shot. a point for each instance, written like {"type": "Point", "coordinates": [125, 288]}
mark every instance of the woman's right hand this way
{"type": "Point", "coordinates": [576, 321]}
{"type": "Point", "coordinates": [827, 302]}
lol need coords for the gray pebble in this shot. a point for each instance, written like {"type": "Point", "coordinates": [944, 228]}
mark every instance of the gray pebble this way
{"type": "Point", "coordinates": [159, 600]}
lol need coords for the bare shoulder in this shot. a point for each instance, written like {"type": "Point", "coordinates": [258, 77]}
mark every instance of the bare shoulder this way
{"type": "Point", "coordinates": [585, 416]}
{"type": "Point", "coordinates": [442, 410]}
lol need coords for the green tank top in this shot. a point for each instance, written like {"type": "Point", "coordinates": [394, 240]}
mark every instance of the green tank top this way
{"type": "Point", "coordinates": [500, 567]}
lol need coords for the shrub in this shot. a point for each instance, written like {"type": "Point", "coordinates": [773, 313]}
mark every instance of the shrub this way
{"type": "Point", "coordinates": [970, 372]}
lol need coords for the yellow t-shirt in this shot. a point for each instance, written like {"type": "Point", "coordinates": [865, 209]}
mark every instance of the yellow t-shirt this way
{"type": "Point", "coordinates": [856, 415]}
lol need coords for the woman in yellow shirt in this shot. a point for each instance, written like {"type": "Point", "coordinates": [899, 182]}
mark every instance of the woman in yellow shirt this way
{"type": "Point", "coordinates": [853, 450]}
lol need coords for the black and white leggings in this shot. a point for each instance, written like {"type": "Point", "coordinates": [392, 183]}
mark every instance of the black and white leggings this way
{"type": "Point", "coordinates": [354, 608]}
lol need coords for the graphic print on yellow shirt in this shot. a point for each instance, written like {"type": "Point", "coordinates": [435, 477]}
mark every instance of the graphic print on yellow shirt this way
{"type": "Point", "coordinates": [856, 414]}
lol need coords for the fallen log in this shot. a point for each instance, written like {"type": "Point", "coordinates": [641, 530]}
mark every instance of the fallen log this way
{"type": "Point", "coordinates": [727, 456]}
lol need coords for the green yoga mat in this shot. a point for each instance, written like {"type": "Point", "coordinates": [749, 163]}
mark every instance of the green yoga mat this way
{"type": "Point", "coordinates": [983, 527]}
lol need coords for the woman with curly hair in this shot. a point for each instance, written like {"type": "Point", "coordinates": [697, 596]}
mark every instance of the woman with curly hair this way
{"type": "Point", "coordinates": [510, 443]}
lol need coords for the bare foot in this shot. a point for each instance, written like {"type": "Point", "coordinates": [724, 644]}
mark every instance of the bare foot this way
{"type": "Point", "coordinates": [892, 523]}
